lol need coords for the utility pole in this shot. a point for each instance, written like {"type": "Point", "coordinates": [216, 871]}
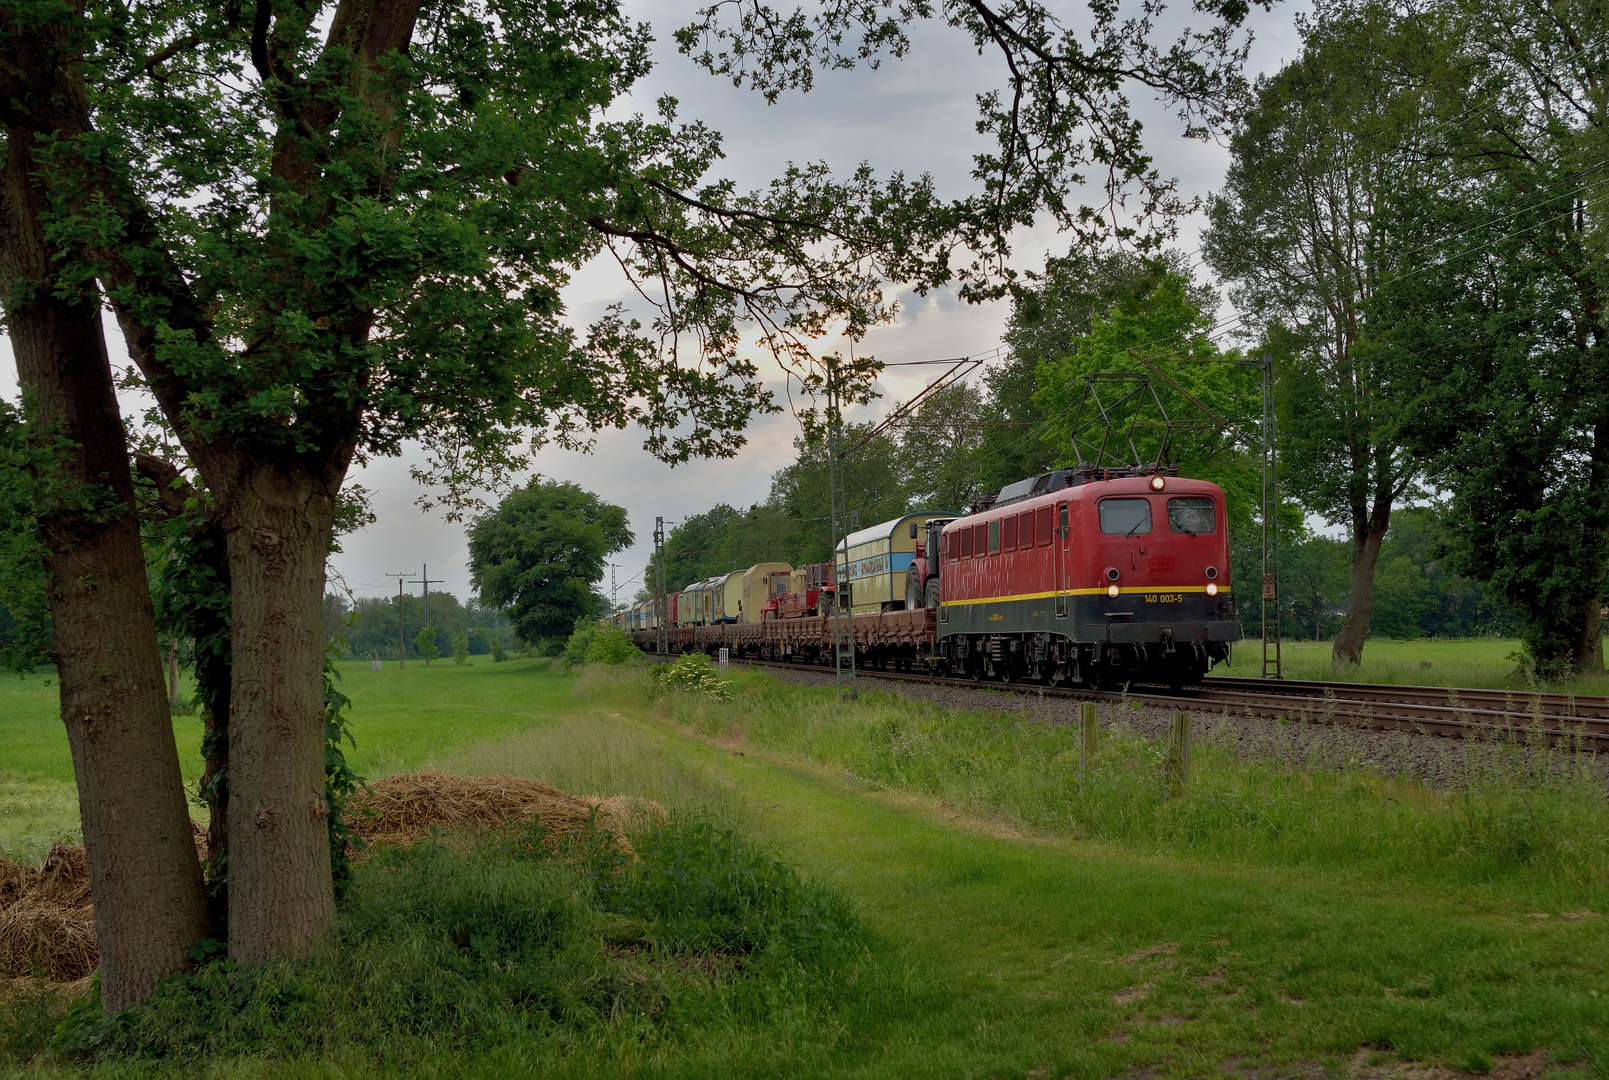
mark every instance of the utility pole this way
{"type": "Point", "coordinates": [614, 590]}
{"type": "Point", "coordinates": [426, 581]}
{"type": "Point", "coordinates": [843, 636]}
{"type": "Point", "coordinates": [402, 639]}
{"type": "Point", "coordinates": [1272, 666]}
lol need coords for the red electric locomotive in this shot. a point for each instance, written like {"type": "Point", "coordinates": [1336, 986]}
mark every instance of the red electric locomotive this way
{"type": "Point", "coordinates": [1090, 576]}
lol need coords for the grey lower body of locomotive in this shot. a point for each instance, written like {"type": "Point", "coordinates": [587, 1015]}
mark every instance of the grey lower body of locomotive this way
{"type": "Point", "coordinates": [1091, 640]}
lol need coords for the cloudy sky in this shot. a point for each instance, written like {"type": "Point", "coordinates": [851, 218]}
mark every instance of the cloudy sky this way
{"type": "Point", "coordinates": [914, 115]}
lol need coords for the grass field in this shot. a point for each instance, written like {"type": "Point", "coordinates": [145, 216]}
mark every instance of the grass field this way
{"type": "Point", "coordinates": [1022, 925]}
{"type": "Point", "coordinates": [1478, 662]}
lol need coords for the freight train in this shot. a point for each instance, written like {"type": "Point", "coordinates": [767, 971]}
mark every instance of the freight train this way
{"type": "Point", "coordinates": [1086, 576]}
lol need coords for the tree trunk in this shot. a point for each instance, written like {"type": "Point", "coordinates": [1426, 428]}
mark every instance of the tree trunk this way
{"type": "Point", "coordinates": [1587, 650]}
{"type": "Point", "coordinates": [1366, 541]}
{"type": "Point", "coordinates": [281, 895]}
{"type": "Point", "coordinates": [206, 619]}
{"type": "Point", "coordinates": [1587, 654]}
{"type": "Point", "coordinates": [145, 879]}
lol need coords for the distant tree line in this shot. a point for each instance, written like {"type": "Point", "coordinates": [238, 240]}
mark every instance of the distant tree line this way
{"type": "Point", "coordinates": [373, 634]}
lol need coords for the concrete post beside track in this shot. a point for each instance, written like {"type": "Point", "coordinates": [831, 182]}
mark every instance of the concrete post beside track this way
{"type": "Point", "coordinates": [1178, 763]}
{"type": "Point", "coordinates": [1089, 737]}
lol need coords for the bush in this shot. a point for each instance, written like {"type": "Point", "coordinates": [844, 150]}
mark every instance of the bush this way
{"type": "Point", "coordinates": [497, 649]}
{"type": "Point", "coordinates": [425, 642]}
{"type": "Point", "coordinates": [693, 673]}
{"type": "Point", "coordinates": [448, 949]}
{"type": "Point", "coordinates": [697, 887]}
{"type": "Point", "coordinates": [460, 648]}
{"type": "Point", "coordinates": [598, 643]}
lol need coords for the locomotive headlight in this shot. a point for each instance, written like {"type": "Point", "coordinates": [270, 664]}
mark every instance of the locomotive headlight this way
{"type": "Point", "coordinates": [1156, 483]}
{"type": "Point", "coordinates": [1112, 590]}
{"type": "Point", "coordinates": [1212, 590]}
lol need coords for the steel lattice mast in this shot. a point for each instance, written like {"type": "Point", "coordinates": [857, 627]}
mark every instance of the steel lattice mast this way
{"type": "Point", "coordinates": [843, 637]}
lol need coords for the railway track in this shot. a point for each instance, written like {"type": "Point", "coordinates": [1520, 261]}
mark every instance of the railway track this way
{"type": "Point", "coordinates": [1564, 720]}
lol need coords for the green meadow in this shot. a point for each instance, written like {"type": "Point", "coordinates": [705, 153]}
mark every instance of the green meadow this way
{"type": "Point", "coordinates": [995, 912]}
{"type": "Point", "coordinates": [1493, 663]}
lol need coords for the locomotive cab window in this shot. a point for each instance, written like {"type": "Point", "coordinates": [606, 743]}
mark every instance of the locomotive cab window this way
{"type": "Point", "coordinates": [1125, 517]}
{"type": "Point", "coordinates": [1193, 514]}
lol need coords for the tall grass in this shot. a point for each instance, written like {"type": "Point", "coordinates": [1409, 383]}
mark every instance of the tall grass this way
{"type": "Point", "coordinates": [448, 948]}
{"type": "Point", "coordinates": [589, 753]}
{"type": "Point", "coordinates": [35, 813]}
{"type": "Point", "coordinates": [1517, 815]}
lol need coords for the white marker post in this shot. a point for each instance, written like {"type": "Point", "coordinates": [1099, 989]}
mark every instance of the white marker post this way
{"type": "Point", "coordinates": [721, 662]}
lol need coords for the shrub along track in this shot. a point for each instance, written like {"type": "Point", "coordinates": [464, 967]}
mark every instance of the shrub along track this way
{"type": "Point", "coordinates": [1533, 719]}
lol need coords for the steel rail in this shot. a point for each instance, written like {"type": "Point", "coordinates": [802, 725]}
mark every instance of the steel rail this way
{"type": "Point", "coordinates": [1454, 712]}
{"type": "Point", "coordinates": [1516, 702]}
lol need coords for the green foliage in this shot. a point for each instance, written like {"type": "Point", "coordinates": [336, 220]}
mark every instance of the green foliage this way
{"type": "Point", "coordinates": [537, 554]}
{"type": "Point", "coordinates": [460, 648]}
{"type": "Point", "coordinates": [1330, 141]}
{"type": "Point", "coordinates": [697, 887]}
{"type": "Point", "coordinates": [498, 655]}
{"type": "Point", "coordinates": [449, 948]}
{"type": "Point", "coordinates": [693, 673]}
{"type": "Point", "coordinates": [599, 643]}
{"type": "Point", "coordinates": [339, 779]}
{"type": "Point", "coordinates": [1163, 323]}
{"type": "Point", "coordinates": [425, 642]}
{"type": "Point", "coordinates": [874, 486]}
{"type": "Point", "coordinates": [1068, 126]}
{"type": "Point", "coordinates": [1502, 309]}
{"type": "Point", "coordinates": [25, 631]}
{"type": "Point", "coordinates": [791, 525]}
{"type": "Point", "coordinates": [375, 631]}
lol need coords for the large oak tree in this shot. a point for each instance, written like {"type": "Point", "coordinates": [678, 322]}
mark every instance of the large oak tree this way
{"type": "Point", "coordinates": [1297, 229]}
{"type": "Point", "coordinates": [1515, 338]}
{"type": "Point", "coordinates": [149, 909]}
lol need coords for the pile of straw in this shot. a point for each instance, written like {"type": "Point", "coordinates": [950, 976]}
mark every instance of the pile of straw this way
{"type": "Point", "coordinates": [47, 924]}
{"type": "Point", "coordinates": [47, 921]}
{"type": "Point", "coordinates": [403, 809]}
